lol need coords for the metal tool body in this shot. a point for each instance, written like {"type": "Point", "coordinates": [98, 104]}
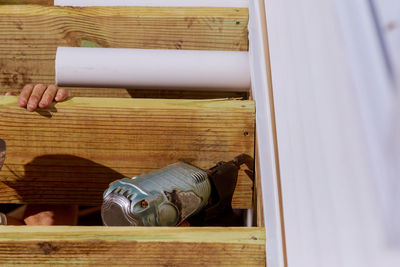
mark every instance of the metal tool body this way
{"type": "Point", "coordinates": [170, 195]}
{"type": "Point", "coordinates": [162, 197]}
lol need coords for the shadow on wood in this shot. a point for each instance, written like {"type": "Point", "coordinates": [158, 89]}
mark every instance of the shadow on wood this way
{"type": "Point", "coordinates": [63, 173]}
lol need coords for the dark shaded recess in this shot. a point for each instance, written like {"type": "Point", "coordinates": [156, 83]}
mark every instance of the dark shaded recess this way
{"type": "Point", "coordinates": [78, 179]}
{"type": "Point", "coordinates": [160, 93]}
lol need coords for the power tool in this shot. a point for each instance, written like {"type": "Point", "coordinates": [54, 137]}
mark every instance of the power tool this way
{"type": "Point", "coordinates": [169, 196]}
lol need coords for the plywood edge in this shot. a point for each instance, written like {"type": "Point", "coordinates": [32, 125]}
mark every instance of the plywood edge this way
{"type": "Point", "coordinates": [96, 102]}
{"type": "Point", "coordinates": [245, 235]}
{"type": "Point", "coordinates": [126, 11]}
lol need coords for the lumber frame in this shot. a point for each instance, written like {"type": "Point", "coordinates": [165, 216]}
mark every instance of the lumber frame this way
{"type": "Point", "coordinates": [30, 34]}
{"type": "Point", "coordinates": [70, 152]}
{"type": "Point", "coordinates": [141, 246]}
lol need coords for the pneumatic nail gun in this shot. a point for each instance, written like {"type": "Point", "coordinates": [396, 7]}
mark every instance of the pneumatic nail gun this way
{"type": "Point", "coordinates": [171, 195]}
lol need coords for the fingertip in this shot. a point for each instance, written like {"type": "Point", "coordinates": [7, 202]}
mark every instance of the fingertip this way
{"type": "Point", "coordinates": [30, 107]}
{"type": "Point", "coordinates": [43, 104]}
{"type": "Point", "coordinates": [22, 102]}
{"type": "Point", "coordinates": [62, 94]}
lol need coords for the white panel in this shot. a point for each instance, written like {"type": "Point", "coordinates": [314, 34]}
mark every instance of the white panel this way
{"type": "Point", "coordinates": [333, 98]}
{"type": "Point", "coordinates": [266, 155]}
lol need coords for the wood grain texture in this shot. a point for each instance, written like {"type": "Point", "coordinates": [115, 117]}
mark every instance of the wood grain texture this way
{"type": "Point", "coordinates": [70, 152]}
{"type": "Point", "coordinates": [139, 246]}
{"type": "Point", "coordinates": [30, 34]}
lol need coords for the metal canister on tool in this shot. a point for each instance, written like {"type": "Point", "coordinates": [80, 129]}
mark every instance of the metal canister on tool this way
{"type": "Point", "coordinates": [164, 197]}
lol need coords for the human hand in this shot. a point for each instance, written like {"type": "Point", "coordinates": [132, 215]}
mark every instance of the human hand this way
{"type": "Point", "coordinates": [40, 95]}
{"type": "Point", "coordinates": [48, 214]}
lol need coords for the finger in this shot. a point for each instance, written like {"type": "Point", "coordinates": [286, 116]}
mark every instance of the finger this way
{"type": "Point", "coordinates": [48, 96]}
{"type": "Point", "coordinates": [25, 94]}
{"type": "Point", "coordinates": [62, 94]}
{"type": "Point", "coordinates": [36, 96]}
{"type": "Point", "coordinates": [10, 93]}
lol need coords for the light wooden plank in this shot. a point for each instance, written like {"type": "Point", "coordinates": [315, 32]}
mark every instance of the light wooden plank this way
{"type": "Point", "coordinates": [30, 34]}
{"type": "Point", "coordinates": [72, 151]}
{"type": "Point", "coordinates": [141, 246]}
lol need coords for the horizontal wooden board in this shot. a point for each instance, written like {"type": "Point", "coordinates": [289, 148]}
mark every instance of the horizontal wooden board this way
{"type": "Point", "coordinates": [139, 246]}
{"type": "Point", "coordinates": [30, 34]}
{"type": "Point", "coordinates": [70, 152]}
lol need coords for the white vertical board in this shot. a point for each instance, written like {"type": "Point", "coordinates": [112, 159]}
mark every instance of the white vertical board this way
{"type": "Point", "coordinates": [333, 99]}
{"type": "Point", "coordinates": [388, 22]}
{"type": "Point", "coordinates": [258, 54]}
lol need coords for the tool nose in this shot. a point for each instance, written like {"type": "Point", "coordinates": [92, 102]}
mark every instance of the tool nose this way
{"type": "Point", "coordinates": [115, 211]}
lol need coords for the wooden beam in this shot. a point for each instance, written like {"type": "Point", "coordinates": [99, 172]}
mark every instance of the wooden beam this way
{"type": "Point", "coordinates": [30, 34]}
{"type": "Point", "coordinates": [70, 152]}
{"type": "Point", "coordinates": [124, 246]}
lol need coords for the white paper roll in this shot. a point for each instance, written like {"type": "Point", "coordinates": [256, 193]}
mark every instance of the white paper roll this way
{"type": "Point", "coordinates": [168, 3]}
{"type": "Point", "coordinates": [152, 69]}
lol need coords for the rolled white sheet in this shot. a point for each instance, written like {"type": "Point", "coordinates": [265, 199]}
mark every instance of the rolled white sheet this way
{"type": "Point", "coordinates": [152, 69]}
